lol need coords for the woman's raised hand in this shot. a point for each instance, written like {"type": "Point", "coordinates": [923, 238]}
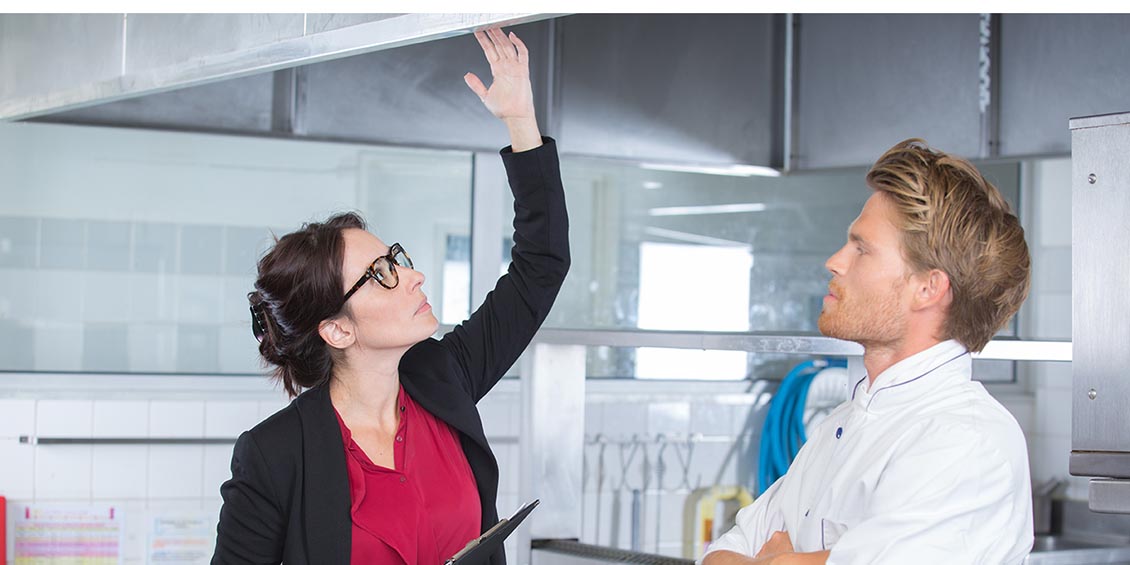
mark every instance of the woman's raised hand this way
{"type": "Point", "coordinates": [510, 97]}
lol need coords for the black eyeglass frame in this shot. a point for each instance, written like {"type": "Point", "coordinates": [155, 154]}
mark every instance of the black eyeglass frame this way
{"type": "Point", "coordinates": [371, 270]}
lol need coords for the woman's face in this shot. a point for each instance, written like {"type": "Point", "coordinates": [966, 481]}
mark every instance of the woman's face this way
{"type": "Point", "coordinates": [383, 318]}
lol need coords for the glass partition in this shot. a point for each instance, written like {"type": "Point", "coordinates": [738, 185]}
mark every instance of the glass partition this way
{"type": "Point", "coordinates": [664, 250]}
{"type": "Point", "coordinates": [134, 250]}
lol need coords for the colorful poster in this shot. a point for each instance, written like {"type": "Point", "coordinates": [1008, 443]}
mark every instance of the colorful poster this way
{"type": "Point", "coordinates": [55, 535]}
{"type": "Point", "coordinates": [183, 540]}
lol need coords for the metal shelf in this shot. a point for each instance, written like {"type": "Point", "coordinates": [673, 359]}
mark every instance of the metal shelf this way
{"type": "Point", "coordinates": [33, 440]}
{"type": "Point", "coordinates": [1005, 349]}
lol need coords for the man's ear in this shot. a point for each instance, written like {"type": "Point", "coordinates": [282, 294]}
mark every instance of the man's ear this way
{"type": "Point", "coordinates": [337, 332]}
{"type": "Point", "coordinates": [932, 289]}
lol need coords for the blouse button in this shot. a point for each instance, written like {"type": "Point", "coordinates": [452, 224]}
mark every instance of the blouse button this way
{"type": "Point", "coordinates": [399, 438]}
{"type": "Point", "coordinates": [403, 479]}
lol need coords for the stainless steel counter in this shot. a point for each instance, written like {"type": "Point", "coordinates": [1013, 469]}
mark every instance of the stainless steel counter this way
{"type": "Point", "coordinates": [1061, 550]}
{"type": "Point", "coordinates": [1047, 550]}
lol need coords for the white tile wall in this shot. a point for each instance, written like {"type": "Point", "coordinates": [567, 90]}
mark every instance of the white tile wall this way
{"type": "Point", "coordinates": [1054, 407]}
{"type": "Point", "coordinates": [64, 418]}
{"type": "Point", "coordinates": [594, 419]}
{"type": "Point", "coordinates": [499, 413]}
{"type": "Point", "coordinates": [135, 529]}
{"type": "Point", "coordinates": [17, 417]}
{"type": "Point", "coordinates": [176, 472]}
{"type": "Point", "coordinates": [63, 472]}
{"type": "Point", "coordinates": [508, 468]}
{"type": "Point", "coordinates": [120, 418]}
{"type": "Point", "coordinates": [176, 419]}
{"type": "Point", "coordinates": [17, 473]}
{"type": "Point", "coordinates": [668, 418]}
{"type": "Point", "coordinates": [230, 418]}
{"type": "Point", "coordinates": [711, 419]}
{"type": "Point", "coordinates": [269, 407]}
{"type": "Point", "coordinates": [216, 469]}
{"type": "Point", "coordinates": [623, 420]}
{"type": "Point", "coordinates": [166, 478]}
{"type": "Point", "coordinates": [119, 471]}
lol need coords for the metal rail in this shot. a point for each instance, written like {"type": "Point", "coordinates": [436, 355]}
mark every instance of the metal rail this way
{"type": "Point", "coordinates": [1004, 349]}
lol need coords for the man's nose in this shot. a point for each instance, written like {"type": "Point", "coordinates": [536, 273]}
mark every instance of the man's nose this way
{"type": "Point", "coordinates": [836, 262]}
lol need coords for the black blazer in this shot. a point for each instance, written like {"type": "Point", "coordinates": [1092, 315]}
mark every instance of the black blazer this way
{"type": "Point", "coordinates": [288, 499]}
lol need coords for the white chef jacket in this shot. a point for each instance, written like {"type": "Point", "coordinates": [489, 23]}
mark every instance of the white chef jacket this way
{"type": "Point", "coordinates": [921, 467]}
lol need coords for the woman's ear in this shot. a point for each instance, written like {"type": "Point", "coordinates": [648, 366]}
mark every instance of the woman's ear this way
{"type": "Point", "coordinates": [337, 332]}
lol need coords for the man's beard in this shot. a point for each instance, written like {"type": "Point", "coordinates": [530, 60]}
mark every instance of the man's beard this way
{"type": "Point", "coordinates": [870, 320]}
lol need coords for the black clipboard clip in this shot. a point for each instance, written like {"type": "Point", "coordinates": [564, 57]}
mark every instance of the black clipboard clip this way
{"type": "Point", "coordinates": [478, 549]}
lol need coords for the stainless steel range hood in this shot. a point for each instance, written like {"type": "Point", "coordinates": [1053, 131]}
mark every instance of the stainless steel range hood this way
{"type": "Point", "coordinates": [56, 62]}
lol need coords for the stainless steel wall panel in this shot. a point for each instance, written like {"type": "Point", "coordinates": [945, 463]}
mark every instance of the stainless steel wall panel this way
{"type": "Point", "coordinates": [156, 41]}
{"type": "Point", "coordinates": [686, 88]}
{"type": "Point", "coordinates": [416, 94]}
{"type": "Point", "coordinates": [1055, 67]}
{"type": "Point", "coordinates": [1100, 287]}
{"type": "Point", "coordinates": [46, 52]}
{"type": "Point", "coordinates": [868, 81]}
{"type": "Point", "coordinates": [242, 104]}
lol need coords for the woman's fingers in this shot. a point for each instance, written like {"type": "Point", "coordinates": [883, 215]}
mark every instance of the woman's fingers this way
{"type": "Point", "coordinates": [523, 52]}
{"type": "Point", "coordinates": [475, 84]}
{"type": "Point", "coordinates": [502, 44]}
{"type": "Point", "coordinates": [488, 46]}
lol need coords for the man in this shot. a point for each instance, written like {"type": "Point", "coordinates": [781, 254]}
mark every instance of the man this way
{"type": "Point", "coordinates": [921, 465]}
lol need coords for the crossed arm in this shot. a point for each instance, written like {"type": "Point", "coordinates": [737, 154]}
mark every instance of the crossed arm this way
{"type": "Point", "coordinates": [777, 551]}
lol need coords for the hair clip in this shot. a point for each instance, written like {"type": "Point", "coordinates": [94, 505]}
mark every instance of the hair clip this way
{"type": "Point", "coordinates": [258, 328]}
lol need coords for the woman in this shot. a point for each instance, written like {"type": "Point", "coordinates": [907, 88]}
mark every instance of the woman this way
{"type": "Point", "coordinates": [383, 458]}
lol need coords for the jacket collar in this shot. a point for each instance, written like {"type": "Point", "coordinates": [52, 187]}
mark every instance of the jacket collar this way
{"type": "Point", "coordinates": [443, 398]}
{"type": "Point", "coordinates": [913, 378]}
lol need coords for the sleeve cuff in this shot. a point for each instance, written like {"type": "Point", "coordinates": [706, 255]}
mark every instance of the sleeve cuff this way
{"type": "Point", "coordinates": [546, 141]}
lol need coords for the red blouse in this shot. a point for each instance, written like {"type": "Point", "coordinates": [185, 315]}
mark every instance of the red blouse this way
{"type": "Point", "coordinates": [425, 509]}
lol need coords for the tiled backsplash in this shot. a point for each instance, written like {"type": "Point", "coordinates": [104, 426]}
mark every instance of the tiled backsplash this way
{"type": "Point", "coordinates": [149, 481]}
{"type": "Point", "coordinates": [100, 296]}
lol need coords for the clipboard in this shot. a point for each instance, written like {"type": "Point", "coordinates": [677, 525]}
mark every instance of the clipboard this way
{"type": "Point", "coordinates": [480, 548]}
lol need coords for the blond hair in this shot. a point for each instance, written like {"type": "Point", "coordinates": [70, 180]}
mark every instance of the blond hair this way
{"type": "Point", "coordinates": [954, 220]}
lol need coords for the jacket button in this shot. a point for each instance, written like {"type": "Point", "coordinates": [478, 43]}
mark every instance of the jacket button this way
{"type": "Point", "coordinates": [839, 432]}
{"type": "Point", "coordinates": [399, 438]}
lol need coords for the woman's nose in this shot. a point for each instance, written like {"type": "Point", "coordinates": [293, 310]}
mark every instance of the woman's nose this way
{"type": "Point", "coordinates": [415, 278]}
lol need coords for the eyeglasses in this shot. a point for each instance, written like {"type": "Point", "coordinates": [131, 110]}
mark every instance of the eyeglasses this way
{"type": "Point", "coordinates": [383, 269]}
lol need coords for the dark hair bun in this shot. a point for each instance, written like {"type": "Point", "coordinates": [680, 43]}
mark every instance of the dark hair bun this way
{"type": "Point", "coordinates": [298, 286]}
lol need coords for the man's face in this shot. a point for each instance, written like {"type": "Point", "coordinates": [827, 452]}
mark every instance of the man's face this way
{"type": "Point", "coordinates": [867, 299]}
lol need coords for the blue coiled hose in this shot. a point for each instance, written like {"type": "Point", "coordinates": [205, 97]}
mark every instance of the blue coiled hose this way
{"type": "Point", "coordinates": [783, 432]}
